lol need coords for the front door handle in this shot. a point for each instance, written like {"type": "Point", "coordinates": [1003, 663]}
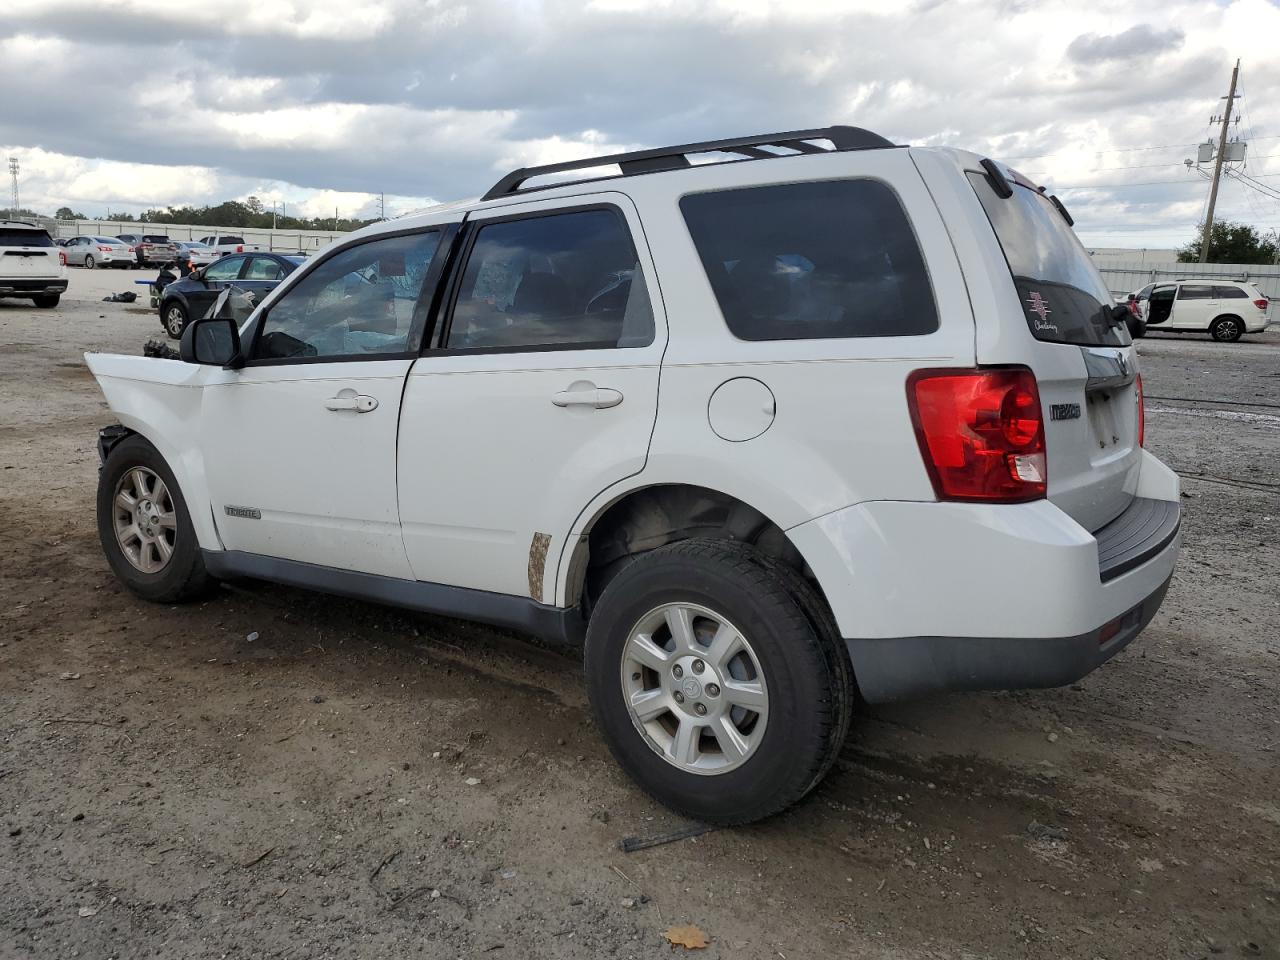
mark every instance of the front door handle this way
{"type": "Point", "coordinates": [584, 393]}
{"type": "Point", "coordinates": [359, 403]}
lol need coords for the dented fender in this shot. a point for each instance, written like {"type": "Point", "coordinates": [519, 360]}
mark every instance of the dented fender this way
{"type": "Point", "coordinates": [160, 400]}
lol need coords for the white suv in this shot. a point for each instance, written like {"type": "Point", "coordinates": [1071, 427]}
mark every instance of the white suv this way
{"type": "Point", "coordinates": [32, 266]}
{"type": "Point", "coordinates": [1225, 308]}
{"type": "Point", "coordinates": [836, 416]}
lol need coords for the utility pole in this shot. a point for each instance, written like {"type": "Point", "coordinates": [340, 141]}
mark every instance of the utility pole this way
{"type": "Point", "coordinates": [13, 174]}
{"type": "Point", "coordinates": [382, 206]}
{"type": "Point", "coordinates": [1217, 166]}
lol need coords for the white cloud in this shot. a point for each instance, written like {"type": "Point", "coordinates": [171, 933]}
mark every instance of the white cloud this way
{"type": "Point", "coordinates": [317, 102]}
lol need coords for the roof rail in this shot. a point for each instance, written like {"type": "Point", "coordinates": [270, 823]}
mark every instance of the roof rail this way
{"type": "Point", "coordinates": [676, 158]}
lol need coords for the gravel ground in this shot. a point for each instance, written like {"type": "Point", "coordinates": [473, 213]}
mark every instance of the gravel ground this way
{"type": "Point", "coordinates": [356, 782]}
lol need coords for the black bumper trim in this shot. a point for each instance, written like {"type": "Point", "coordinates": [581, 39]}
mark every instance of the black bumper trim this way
{"type": "Point", "coordinates": [904, 668]}
{"type": "Point", "coordinates": [10, 288]}
{"type": "Point", "coordinates": [1131, 539]}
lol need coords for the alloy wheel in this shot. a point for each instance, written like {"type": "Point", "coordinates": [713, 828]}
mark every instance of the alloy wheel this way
{"type": "Point", "coordinates": [145, 523]}
{"type": "Point", "coordinates": [694, 688]}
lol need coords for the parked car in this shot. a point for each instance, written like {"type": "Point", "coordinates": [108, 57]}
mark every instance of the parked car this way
{"type": "Point", "coordinates": [897, 447]}
{"type": "Point", "coordinates": [150, 249]}
{"type": "Point", "coordinates": [229, 243]}
{"type": "Point", "coordinates": [32, 266]}
{"type": "Point", "coordinates": [1226, 309]}
{"type": "Point", "coordinates": [90, 252]}
{"type": "Point", "coordinates": [195, 254]}
{"type": "Point", "coordinates": [255, 274]}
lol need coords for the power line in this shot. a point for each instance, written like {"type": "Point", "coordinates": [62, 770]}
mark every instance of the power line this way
{"type": "Point", "coordinates": [1167, 146]}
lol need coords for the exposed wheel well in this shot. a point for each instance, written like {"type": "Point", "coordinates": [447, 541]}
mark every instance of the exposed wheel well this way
{"type": "Point", "coordinates": [1227, 316]}
{"type": "Point", "coordinates": [652, 517]}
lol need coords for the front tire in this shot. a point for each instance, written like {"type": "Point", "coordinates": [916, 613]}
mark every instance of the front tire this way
{"type": "Point", "coordinates": [1227, 329]}
{"type": "Point", "coordinates": [718, 680]}
{"type": "Point", "coordinates": [174, 317]}
{"type": "Point", "coordinates": [145, 528]}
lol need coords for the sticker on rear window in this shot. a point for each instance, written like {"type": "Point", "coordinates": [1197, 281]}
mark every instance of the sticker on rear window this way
{"type": "Point", "coordinates": [1040, 307]}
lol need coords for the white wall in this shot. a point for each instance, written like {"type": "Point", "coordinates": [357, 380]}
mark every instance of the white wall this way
{"type": "Point", "coordinates": [284, 241]}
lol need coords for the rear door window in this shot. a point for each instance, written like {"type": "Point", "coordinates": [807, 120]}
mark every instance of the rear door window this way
{"type": "Point", "coordinates": [1064, 298]}
{"type": "Point", "coordinates": [1192, 291]}
{"type": "Point", "coordinates": [1229, 293]}
{"type": "Point", "coordinates": [803, 261]}
{"type": "Point", "coordinates": [566, 281]}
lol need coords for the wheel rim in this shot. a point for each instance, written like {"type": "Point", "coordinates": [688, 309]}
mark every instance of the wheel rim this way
{"type": "Point", "coordinates": [146, 524]}
{"type": "Point", "coordinates": [175, 320]}
{"type": "Point", "coordinates": [88, 263]}
{"type": "Point", "coordinates": [694, 688]}
{"type": "Point", "coordinates": [1226, 329]}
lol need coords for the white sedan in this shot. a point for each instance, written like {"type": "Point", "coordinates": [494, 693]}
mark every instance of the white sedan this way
{"type": "Point", "coordinates": [90, 252]}
{"type": "Point", "coordinates": [196, 254]}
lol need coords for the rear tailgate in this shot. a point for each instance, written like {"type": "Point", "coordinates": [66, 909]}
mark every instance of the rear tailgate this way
{"type": "Point", "coordinates": [1056, 317]}
{"type": "Point", "coordinates": [28, 253]}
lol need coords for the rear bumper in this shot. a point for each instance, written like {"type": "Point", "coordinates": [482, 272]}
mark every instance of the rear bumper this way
{"type": "Point", "coordinates": [950, 596]}
{"type": "Point", "coordinates": [26, 288]}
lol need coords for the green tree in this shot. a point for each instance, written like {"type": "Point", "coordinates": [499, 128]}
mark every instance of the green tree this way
{"type": "Point", "coordinates": [66, 213]}
{"type": "Point", "coordinates": [1231, 243]}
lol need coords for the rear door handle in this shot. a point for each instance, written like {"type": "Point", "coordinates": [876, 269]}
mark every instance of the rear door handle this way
{"type": "Point", "coordinates": [587, 394]}
{"type": "Point", "coordinates": [359, 403]}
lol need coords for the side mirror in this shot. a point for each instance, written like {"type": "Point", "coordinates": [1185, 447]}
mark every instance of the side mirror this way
{"type": "Point", "coordinates": [213, 342]}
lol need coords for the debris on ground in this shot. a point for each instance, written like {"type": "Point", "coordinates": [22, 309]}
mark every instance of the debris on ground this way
{"type": "Point", "coordinates": [687, 936]}
{"type": "Point", "coordinates": [631, 844]}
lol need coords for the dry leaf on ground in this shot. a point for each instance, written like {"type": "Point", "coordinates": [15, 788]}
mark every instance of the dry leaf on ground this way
{"type": "Point", "coordinates": [687, 936]}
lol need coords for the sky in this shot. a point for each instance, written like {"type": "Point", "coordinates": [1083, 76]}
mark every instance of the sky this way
{"type": "Point", "coordinates": [123, 105]}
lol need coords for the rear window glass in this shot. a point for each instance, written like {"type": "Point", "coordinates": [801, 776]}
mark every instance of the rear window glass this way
{"type": "Point", "coordinates": [154, 238]}
{"type": "Point", "coordinates": [17, 237]}
{"type": "Point", "coordinates": [1064, 298]}
{"type": "Point", "coordinates": [802, 261]}
{"type": "Point", "coordinates": [231, 239]}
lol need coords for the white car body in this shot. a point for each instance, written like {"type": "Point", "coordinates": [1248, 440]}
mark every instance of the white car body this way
{"type": "Point", "coordinates": [1197, 304]}
{"type": "Point", "coordinates": [486, 477]}
{"type": "Point", "coordinates": [99, 252]}
{"type": "Point", "coordinates": [32, 266]}
{"type": "Point", "coordinates": [196, 253]}
{"type": "Point", "coordinates": [225, 243]}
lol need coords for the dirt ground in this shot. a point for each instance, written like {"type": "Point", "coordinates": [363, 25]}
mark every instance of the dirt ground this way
{"type": "Point", "coordinates": [274, 773]}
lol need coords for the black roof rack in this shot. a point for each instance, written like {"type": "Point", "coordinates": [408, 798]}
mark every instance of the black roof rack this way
{"type": "Point", "coordinates": [676, 158]}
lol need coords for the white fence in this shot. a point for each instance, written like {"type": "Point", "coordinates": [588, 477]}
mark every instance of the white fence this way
{"type": "Point", "coordinates": [1124, 278]}
{"type": "Point", "coordinates": [283, 241]}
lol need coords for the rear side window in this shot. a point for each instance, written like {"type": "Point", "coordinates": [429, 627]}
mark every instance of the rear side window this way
{"type": "Point", "coordinates": [803, 261]}
{"type": "Point", "coordinates": [9, 237]}
{"type": "Point", "coordinates": [1229, 293]}
{"type": "Point", "coordinates": [1064, 298]}
{"type": "Point", "coordinates": [562, 281]}
{"type": "Point", "coordinates": [264, 268]}
{"type": "Point", "coordinates": [1190, 291]}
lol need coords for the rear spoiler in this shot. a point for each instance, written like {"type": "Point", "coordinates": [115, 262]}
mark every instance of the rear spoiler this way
{"type": "Point", "coordinates": [1001, 184]}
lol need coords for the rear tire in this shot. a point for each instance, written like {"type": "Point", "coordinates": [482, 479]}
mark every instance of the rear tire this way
{"type": "Point", "coordinates": [139, 504]}
{"type": "Point", "coordinates": [790, 662]}
{"type": "Point", "coordinates": [47, 300]}
{"type": "Point", "coordinates": [88, 261]}
{"type": "Point", "coordinates": [1227, 329]}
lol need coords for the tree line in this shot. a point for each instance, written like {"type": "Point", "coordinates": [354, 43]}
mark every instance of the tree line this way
{"type": "Point", "coordinates": [248, 214]}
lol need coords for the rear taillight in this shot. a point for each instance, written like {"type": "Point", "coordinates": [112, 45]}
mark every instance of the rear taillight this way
{"type": "Point", "coordinates": [1261, 304]}
{"type": "Point", "coordinates": [981, 433]}
{"type": "Point", "coordinates": [62, 257]}
{"type": "Point", "coordinates": [1142, 414]}
{"type": "Point", "coordinates": [239, 249]}
{"type": "Point", "coordinates": [104, 249]}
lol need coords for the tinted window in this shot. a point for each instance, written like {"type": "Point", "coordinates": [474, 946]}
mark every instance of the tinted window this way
{"type": "Point", "coordinates": [228, 268]}
{"type": "Point", "coordinates": [812, 260]}
{"type": "Point", "coordinates": [1229, 293]}
{"type": "Point", "coordinates": [363, 300]}
{"type": "Point", "coordinates": [1194, 292]}
{"type": "Point", "coordinates": [154, 238]}
{"type": "Point", "coordinates": [264, 268]}
{"type": "Point", "coordinates": [1064, 298]}
{"type": "Point", "coordinates": [16, 237]}
{"type": "Point", "coordinates": [232, 239]}
{"type": "Point", "coordinates": [564, 280]}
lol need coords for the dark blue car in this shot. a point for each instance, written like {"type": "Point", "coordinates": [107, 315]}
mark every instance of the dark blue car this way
{"type": "Point", "coordinates": [252, 273]}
